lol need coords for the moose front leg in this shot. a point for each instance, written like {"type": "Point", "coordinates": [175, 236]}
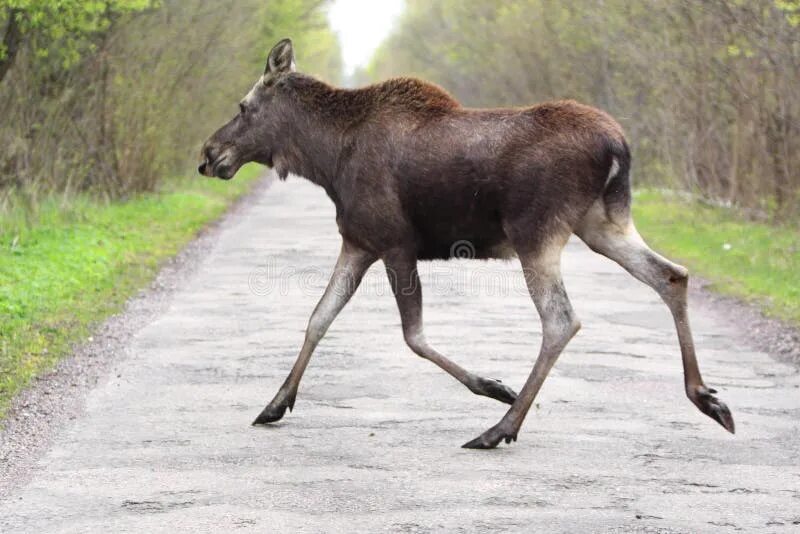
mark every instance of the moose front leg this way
{"type": "Point", "coordinates": [401, 267]}
{"type": "Point", "coordinates": [350, 268]}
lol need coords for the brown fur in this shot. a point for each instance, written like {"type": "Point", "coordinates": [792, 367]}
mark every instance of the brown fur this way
{"type": "Point", "coordinates": [405, 160]}
{"type": "Point", "coordinates": [413, 174]}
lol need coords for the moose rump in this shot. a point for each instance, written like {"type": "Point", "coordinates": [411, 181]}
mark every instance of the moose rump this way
{"type": "Point", "coordinates": [473, 180]}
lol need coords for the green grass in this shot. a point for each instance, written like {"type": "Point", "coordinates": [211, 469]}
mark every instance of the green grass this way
{"type": "Point", "coordinates": [65, 270]}
{"type": "Point", "coordinates": [756, 262]}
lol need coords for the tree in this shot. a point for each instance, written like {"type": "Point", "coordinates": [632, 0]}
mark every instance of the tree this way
{"type": "Point", "coordinates": [57, 29]}
{"type": "Point", "coordinates": [119, 94]}
{"type": "Point", "coordinates": [709, 92]}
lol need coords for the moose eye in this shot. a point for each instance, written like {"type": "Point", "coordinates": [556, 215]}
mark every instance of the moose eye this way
{"type": "Point", "coordinates": [242, 108]}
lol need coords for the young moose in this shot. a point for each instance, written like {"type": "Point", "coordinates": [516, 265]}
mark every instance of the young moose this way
{"type": "Point", "coordinates": [411, 172]}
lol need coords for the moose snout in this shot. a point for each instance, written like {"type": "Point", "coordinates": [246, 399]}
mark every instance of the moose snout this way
{"type": "Point", "coordinates": [217, 162]}
{"type": "Point", "coordinates": [206, 168]}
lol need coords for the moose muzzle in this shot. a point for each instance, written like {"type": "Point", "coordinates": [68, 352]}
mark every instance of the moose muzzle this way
{"type": "Point", "coordinates": [216, 163]}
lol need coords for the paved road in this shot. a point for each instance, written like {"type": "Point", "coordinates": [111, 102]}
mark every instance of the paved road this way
{"type": "Point", "coordinates": [164, 444]}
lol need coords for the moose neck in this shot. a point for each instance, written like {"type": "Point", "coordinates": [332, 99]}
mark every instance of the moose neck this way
{"type": "Point", "coordinates": [318, 117]}
{"type": "Point", "coordinates": [309, 149]}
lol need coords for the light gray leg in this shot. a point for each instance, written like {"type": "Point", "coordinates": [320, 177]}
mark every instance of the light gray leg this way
{"type": "Point", "coordinates": [401, 267]}
{"type": "Point", "coordinates": [559, 324]}
{"type": "Point", "coordinates": [624, 245]}
{"type": "Point", "coordinates": [347, 275]}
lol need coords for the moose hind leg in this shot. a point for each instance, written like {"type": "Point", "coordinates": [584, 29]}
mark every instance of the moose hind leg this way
{"type": "Point", "coordinates": [559, 325]}
{"type": "Point", "coordinates": [623, 244]}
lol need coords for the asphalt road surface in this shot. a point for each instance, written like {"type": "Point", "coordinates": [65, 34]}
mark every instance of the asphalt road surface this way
{"type": "Point", "coordinates": [164, 443]}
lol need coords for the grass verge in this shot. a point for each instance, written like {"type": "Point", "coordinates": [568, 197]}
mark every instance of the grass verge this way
{"type": "Point", "coordinates": [67, 269]}
{"type": "Point", "coordinates": [757, 262]}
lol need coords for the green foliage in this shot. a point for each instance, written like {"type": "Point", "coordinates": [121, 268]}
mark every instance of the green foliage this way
{"type": "Point", "coordinates": [64, 270]}
{"type": "Point", "coordinates": [708, 92]}
{"type": "Point", "coordinates": [60, 28]}
{"type": "Point", "coordinates": [757, 262]}
{"type": "Point", "coordinates": [791, 8]}
{"type": "Point", "coordinates": [306, 23]}
{"type": "Point", "coordinates": [100, 101]}
{"type": "Point", "coordinates": [120, 93]}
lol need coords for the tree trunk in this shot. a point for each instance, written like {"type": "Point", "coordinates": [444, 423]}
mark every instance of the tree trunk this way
{"type": "Point", "coordinates": [12, 38]}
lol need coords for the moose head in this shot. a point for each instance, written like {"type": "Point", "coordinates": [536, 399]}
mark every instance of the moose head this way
{"type": "Point", "coordinates": [253, 134]}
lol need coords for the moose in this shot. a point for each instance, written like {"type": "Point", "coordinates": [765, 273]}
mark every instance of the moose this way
{"type": "Point", "coordinates": [411, 172]}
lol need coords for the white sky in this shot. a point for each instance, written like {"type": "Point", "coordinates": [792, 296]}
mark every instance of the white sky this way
{"type": "Point", "coordinates": [362, 25]}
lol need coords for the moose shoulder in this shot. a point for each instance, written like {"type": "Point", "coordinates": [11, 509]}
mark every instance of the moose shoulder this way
{"type": "Point", "coordinates": [415, 176]}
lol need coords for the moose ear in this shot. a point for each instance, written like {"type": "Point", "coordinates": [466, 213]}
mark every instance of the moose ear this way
{"type": "Point", "coordinates": [281, 58]}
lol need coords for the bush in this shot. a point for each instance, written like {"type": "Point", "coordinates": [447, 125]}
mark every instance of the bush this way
{"type": "Point", "coordinates": [709, 92]}
{"type": "Point", "coordinates": [108, 97]}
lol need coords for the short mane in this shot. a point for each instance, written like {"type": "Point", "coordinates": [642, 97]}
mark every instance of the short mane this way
{"type": "Point", "coordinates": [397, 94]}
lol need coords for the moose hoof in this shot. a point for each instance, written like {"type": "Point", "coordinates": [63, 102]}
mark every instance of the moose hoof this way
{"type": "Point", "coordinates": [496, 390]}
{"type": "Point", "coordinates": [270, 414]}
{"type": "Point", "coordinates": [491, 438]}
{"type": "Point", "coordinates": [705, 400]}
